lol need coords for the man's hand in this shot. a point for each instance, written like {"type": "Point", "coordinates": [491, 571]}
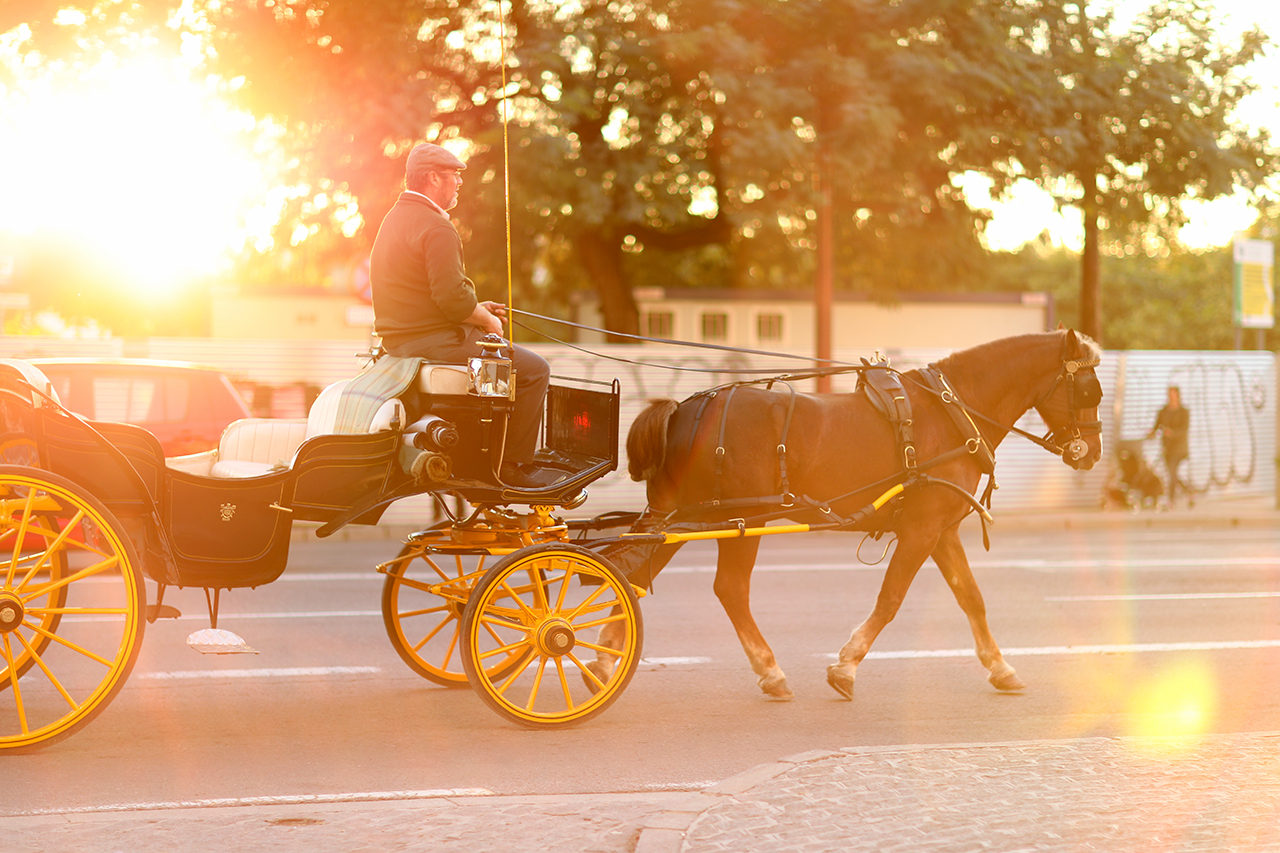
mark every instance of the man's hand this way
{"type": "Point", "coordinates": [488, 316]}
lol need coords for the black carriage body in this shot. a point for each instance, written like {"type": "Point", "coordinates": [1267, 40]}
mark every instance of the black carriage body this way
{"type": "Point", "coordinates": [216, 532]}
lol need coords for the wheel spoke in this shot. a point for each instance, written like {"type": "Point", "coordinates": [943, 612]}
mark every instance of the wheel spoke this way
{"type": "Point", "coordinates": [56, 544]}
{"type": "Point", "coordinates": [564, 586]}
{"type": "Point", "coordinates": [430, 634]}
{"type": "Point", "coordinates": [586, 606]}
{"type": "Point", "coordinates": [596, 623]}
{"type": "Point", "coordinates": [519, 670]}
{"type": "Point", "coordinates": [17, 690]}
{"type": "Point", "coordinates": [453, 644]}
{"type": "Point", "coordinates": [504, 650]}
{"type": "Point", "coordinates": [89, 571]}
{"type": "Point", "coordinates": [20, 537]}
{"type": "Point", "coordinates": [53, 679]}
{"type": "Point", "coordinates": [537, 683]}
{"type": "Point", "coordinates": [596, 647]}
{"type": "Point", "coordinates": [70, 645]}
{"type": "Point", "coordinates": [409, 614]}
{"type": "Point", "coordinates": [79, 611]}
{"type": "Point", "coordinates": [586, 671]}
{"type": "Point", "coordinates": [564, 685]}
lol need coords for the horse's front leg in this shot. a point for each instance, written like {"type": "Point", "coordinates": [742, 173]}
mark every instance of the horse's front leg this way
{"type": "Point", "coordinates": [907, 558]}
{"type": "Point", "coordinates": [954, 564]}
{"type": "Point", "coordinates": [737, 557]}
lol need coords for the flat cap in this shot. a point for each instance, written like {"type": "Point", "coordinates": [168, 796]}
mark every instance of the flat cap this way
{"type": "Point", "coordinates": [428, 157]}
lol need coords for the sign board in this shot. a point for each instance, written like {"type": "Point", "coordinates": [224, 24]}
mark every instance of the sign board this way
{"type": "Point", "coordinates": [1255, 296]}
{"type": "Point", "coordinates": [6, 269]}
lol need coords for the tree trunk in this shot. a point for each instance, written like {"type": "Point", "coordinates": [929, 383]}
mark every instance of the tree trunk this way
{"type": "Point", "coordinates": [1090, 266]}
{"type": "Point", "coordinates": [601, 257]}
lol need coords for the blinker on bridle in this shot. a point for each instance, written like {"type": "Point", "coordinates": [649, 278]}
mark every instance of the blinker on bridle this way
{"type": "Point", "coordinates": [1084, 391]}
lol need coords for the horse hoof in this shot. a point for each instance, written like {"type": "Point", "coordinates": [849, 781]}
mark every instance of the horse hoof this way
{"type": "Point", "coordinates": [775, 687]}
{"type": "Point", "coordinates": [598, 670]}
{"type": "Point", "coordinates": [1004, 678]}
{"type": "Point", "coordinates": [840, 680]}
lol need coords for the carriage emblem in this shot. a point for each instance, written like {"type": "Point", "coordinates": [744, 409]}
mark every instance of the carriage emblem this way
{"type": "Point", "coordinates": [227, 511]}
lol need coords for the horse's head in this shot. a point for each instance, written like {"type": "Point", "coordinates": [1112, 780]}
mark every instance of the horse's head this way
{"type": "Point", "coordinates": [1069, 406]}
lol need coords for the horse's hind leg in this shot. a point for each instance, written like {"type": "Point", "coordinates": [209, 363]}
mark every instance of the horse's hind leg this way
{"type": "Point", "coordinates": [907, 558]}
{"type": "Point", "coordinates": [736, 559]}
{"type": "Point", "coordinates": [611, 636]}
{"type": "Point", "coordinates": [950, 557]}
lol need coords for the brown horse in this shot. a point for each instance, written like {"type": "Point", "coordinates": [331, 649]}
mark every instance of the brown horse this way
{"type": "Point", "coordinates": [695, 454]}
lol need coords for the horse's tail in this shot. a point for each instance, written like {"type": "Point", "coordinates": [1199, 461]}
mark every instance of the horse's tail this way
{"type": "Point", "coordinates": [647, 439]}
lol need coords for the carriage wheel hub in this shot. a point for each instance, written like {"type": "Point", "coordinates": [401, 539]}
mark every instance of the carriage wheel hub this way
{"type": "Point", "coordinates": [11, 612]}
{"type": "Point", "coordinates": [556, 637]}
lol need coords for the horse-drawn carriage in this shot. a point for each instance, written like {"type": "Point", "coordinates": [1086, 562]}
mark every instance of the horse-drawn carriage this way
{"type": "Point", "coordinates": [538, 614]}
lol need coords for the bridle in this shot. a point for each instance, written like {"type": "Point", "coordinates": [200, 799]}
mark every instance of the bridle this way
{"type": "Point", "coordinates": [1084, 392]}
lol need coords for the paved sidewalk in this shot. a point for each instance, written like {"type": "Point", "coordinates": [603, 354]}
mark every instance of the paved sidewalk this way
{"type": "Point", "coordinates": [1221, 793]}
{"type": "Point", "coordinates": [1119, 795]}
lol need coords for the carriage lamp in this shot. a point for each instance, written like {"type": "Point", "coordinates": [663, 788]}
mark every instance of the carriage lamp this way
{"type": "Point", "coordinates": [490, 374]}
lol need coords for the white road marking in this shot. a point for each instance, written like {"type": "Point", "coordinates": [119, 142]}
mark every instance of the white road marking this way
{"type": "Point", "coordinates": [674, 661]}
{"type": "Point", "coordinates": [1179, 596]}
{"type": "Point", "coordinates": [285, 800]}
{"type": "Point", "coordinates": [265, 672]}
{"type": "Point", "coordinates": [1033, 565]}
{"type": "Point", "coordinates": [1130, 648]}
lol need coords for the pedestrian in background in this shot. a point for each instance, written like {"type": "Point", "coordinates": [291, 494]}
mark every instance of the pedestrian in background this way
{"type": "Point", "coordinates": [1173, 422]}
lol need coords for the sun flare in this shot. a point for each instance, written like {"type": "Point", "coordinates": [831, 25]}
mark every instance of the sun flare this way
{"type": "Point", "coordinates": [131, 163]}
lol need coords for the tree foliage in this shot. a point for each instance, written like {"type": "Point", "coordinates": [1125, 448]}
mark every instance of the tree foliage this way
{"type": "Point", "coordinates": [685, 142]}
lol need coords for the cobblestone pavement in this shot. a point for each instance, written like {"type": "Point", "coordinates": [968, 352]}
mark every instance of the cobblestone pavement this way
{"type": "Point", "coordinates": [1119, 795]}
{"type": "Point", "coordinates": [603, 823]}
{"type": "Point", "coordinates": [1219, 793]}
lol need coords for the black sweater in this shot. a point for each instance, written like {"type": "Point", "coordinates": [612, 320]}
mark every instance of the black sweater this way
{"type": "Point", "coordinates": [417, 273]}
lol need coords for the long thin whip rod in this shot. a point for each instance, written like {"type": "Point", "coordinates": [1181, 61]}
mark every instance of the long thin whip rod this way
{"type": "Point", "coordinates": [506, 158]}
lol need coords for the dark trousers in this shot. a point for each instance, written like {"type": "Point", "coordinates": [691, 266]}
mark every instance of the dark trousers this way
{"type": "Point", "coordinates": [533, 374]}
{"type": "Point", "coordinates": [1172, 459]}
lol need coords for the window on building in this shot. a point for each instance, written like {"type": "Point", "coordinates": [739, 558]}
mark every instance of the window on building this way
{"type": "Point", "coordinates": [659, 324]}
{"type": "Point", "coordinates": [769, 327]}
{"type": "Point", "coordinates": [715, 326]}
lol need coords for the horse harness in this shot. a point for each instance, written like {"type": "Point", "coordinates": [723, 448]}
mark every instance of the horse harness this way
{"type": "Point", "coordinates": [884, 390]}
{"type": "Point", "coordinates": [1084, 391]}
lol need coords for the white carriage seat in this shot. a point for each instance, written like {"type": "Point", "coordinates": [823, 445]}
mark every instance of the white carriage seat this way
{"type": "Point", "coordinates": [256, 446]}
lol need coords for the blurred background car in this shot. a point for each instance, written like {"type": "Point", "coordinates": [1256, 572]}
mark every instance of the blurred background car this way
{"type": "Point", "coordinates": [185, 406]}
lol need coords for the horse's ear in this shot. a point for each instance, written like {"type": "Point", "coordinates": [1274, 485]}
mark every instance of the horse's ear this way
{"type": "Point", "coordinates": [1061, 325]}
{"type": "Point", "coordinates": [1072, 341]}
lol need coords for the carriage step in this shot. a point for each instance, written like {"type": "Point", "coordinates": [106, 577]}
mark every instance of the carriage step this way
{"type": "Point", "coordinates": [162, 611]}
{"type": "Point", "coordinates": [218, 641]}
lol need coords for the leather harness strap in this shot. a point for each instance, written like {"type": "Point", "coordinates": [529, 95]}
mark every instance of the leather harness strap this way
{"type": "Point", "coordinates": [786, 495]}
{"type": "Point", "coordinates": [935, 380]}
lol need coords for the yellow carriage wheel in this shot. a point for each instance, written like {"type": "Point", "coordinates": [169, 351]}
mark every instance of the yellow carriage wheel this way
{"type": "Point", "coordinates": [72, 606]}
{"type": "Point", "coordinates": [548, 604]}
{"type": "Point", "coordinates": [422, 602]}
{"type": "Point", "coordinates": [47, 606]}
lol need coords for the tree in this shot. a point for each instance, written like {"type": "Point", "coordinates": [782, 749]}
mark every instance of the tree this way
{"type": "Point", "coordinates": [674, 141]}
{"type": "Point", "coordinates": [1128, 124]}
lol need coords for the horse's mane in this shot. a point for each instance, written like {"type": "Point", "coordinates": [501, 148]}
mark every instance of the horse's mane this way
{"type": "Point", "coordinates": [992, 352]}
